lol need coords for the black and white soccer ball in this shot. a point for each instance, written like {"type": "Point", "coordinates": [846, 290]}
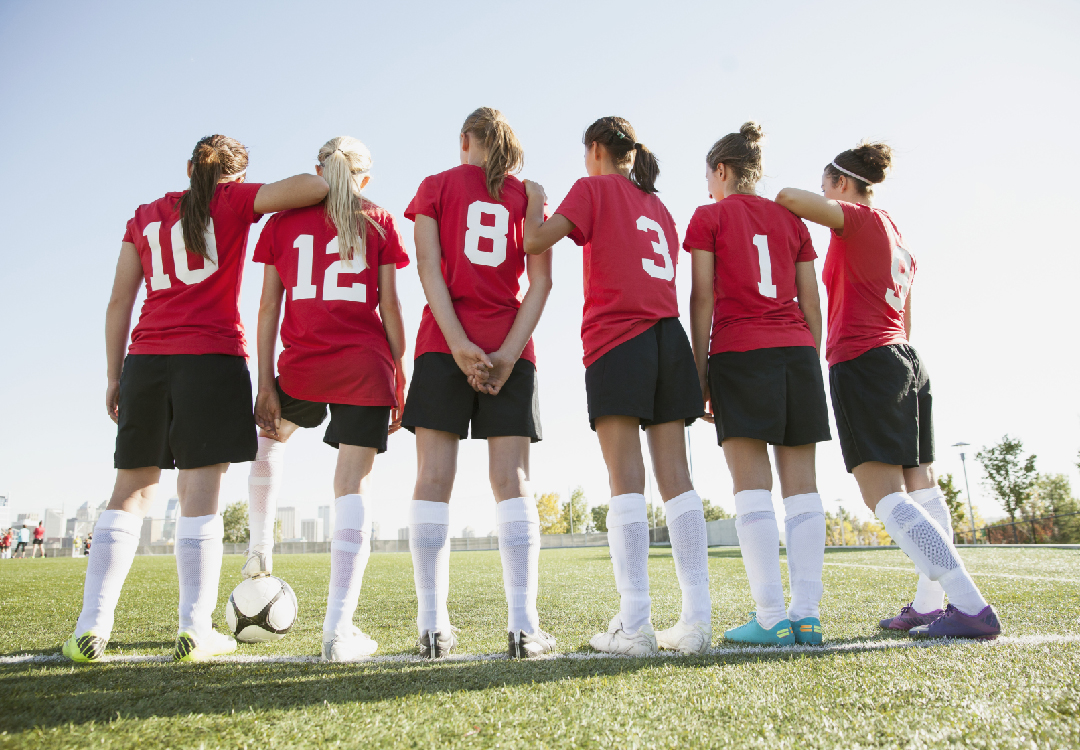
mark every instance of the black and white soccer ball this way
{"type": "Point", "coordinates": [261, 609]}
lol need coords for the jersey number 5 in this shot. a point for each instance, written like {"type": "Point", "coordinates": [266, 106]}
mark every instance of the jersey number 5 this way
{"type": "Point", "coordinates": [902, 274]}
{"type": "Point", "coordinates": [497, 233]}
{"type": "Point", "coordinates": [666, 271]}
{"type": "Point", "coordinates": [159, 279]}
{"type": "Point", "coordinates": [305, 282]}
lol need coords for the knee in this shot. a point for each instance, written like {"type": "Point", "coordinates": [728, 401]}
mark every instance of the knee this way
{"type": "Point", "coordinates": [507, 484]}
{"type": "Point", "coordinates": [434, 486]}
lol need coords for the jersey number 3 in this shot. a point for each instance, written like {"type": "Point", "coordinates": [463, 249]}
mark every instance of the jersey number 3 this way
{"type": "Point", "coordinates": [305, 282]}
{"type": "Point", "coordinates": [665, 272]}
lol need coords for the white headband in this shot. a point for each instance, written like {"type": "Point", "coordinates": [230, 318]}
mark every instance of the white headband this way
{"type": "Point", "coordinates": [851, 174]}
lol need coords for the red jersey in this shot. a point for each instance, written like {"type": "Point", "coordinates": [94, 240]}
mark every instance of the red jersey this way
{"type": "Point", "coordinates": [867, 275]}
{"type": "Point", "coordinates": [39, 533]}
{"type": "Point", "coordinates": [192, 306]}
{"type": "Point", "coordinates": [334, 347]}
{"type": "Point", "coordinates": [631, 248]}
{"type": "Point", "coordinates": [757, 244]}
{"type": "Point", "coordinates": [483, 255]}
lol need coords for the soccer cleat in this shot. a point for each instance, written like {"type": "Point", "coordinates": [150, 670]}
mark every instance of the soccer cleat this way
{"type": "Point", "coordinates": [352, 646]}
{"type": "Point", "coordinates": [190, 648]}
{"type": "Point", "coordinates": [807, 630]}
{"type": "Point", "coordinates": [909, 618]}
{"type": "Point", "coordinates": [434, 645]}
{"type": "Point", "coordinates": [257, 564]}
{"type": "Point", "coordinates": [955, 624]}
{"type": "Point", "coordinates": [618, 641]}
{"type": "Point", "coordinates": [86, 647]}
{"type": "Point", "coordinates": [686, 639]}
{"type": "Point", "coordinates": [753, 632]}
{"type": "Point", "coordinates": [522, 645]}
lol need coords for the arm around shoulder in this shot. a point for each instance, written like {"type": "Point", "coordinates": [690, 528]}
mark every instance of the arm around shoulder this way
{"type": "Point", "coordinates": [297, 191]}
{"type": "Point", "coordinates": [813, 207]}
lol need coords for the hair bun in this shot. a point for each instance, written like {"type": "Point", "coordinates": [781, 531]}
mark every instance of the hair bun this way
{"type": "Point", "coordinates": [876, 156]}
{"type": "Point", "coordinates": [752, 132]}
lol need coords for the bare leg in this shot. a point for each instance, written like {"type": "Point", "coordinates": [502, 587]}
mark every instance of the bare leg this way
{"type": "Point", "coordinates": [748, 462]}
{"type": "Point", "coordinates": [508, 467]}
{"type": "Point", "coordinates": [436, 465]}
{"type": "Point", "coordinates": [667, 448]}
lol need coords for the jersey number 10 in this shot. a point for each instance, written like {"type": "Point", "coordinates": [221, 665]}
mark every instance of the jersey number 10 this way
{"type": "Point", "coordinates": [158, 278]}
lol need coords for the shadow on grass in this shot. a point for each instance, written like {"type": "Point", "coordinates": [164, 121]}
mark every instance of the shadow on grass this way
{"type": "Point", "coordinates": [43, 696]}
{"type": "Point", "coordinates": [114, 646]}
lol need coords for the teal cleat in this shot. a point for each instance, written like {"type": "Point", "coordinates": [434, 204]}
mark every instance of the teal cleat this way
{"type": "Point", "coordinates": [752, 632]}
{"type": "Point", "coordinates": [808, 630]}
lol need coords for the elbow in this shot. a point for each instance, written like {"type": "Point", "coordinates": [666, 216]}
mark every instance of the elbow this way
{"type": "Point", "coordinates": [319, 187]}
{"type": "Point", "coordinates": [532, 246]}
{"type": "Point", "coordinates": [784, 198]}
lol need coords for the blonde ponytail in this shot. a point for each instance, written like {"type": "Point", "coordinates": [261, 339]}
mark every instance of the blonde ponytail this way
{"type": "Point", "coordinates": [504, 152]}
{"type": "Point", "coordinates": [345, 163]}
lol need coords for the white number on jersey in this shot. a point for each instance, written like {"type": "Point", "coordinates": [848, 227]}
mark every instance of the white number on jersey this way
{"type": "Point", "coordinates": [765, 287]}
{"type": "Point", "coordinates": [902, 273]}
{"type": "Point", "coordinates": [305, 282]}
{"type": "Point", "coordinates": [666, 271]}
{"type": "Point", "coordinates": [160, 279]}
{"type": "Point", "coordinates": [497, 233]}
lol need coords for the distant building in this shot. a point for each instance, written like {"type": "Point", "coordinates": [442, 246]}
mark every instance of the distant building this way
{"type": "Point", "coordinates": [168, 528]}
{"type": "Point", "coordinates": [468, 533]}
{"type": "Point", "coordinates": [287, 518]}
{"type": "Point", "coordinates": [375, 529]}
{"type": "Point", "coordinates": [327, 521]}
{"type": "Point", "coordinates": [310, 530]}
{"type": "Point", "coordinates": [28, 519]}
{"type": "Point", "coordinates": [151, 531]}
{"type": "Point", "coordinates": [403, 534]}
{"type": "Point", "coordinates": [54, 523]}
{"type": "Point", "coordinates": [5, 513]}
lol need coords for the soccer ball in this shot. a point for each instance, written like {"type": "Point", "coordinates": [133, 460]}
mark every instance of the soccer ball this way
{"type": "Point", "coordinates": [261, 609]}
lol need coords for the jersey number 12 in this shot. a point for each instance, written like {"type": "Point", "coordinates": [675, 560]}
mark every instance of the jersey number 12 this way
{"type": "Point", "coordinates": [305, 278]}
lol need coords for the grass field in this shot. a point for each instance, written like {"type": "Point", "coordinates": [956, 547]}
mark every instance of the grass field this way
{"type": "Point", "coordinates": [866, 688]}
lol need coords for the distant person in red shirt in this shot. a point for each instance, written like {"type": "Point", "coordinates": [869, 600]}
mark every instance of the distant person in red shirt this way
{"type": "Point", "coordinates": [756, 326]}
{"type": "Point", "coordinates": [5, 544]}
{"type": "Point", "coordinates": [475, 369]}
{"type": "Point", "coordinates": [640, 373]}
{"type": "Point", "coordinates": [181, 397]}
{"type": "Point", "coordinates": [39, 540]}
{"type": "Point", "coordinates": [881, 390]}
{"type": "Point", "coordinates": [343, 346]}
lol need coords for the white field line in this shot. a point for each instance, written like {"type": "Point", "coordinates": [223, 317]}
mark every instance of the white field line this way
{"type": "Point", "coordinates": [1020, 640]}
{"type": "Point", "coordinates": [912, 569]}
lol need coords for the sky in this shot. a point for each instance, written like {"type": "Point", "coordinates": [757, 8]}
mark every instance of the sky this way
{"type": "Point", "coordinates": [103, 102]}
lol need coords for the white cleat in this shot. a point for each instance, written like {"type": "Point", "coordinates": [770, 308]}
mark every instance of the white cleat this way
{"type": "Point", "coordinates": [352, 646]}
{"type": "Point", "coordinates": [618, 641]}
{"type": "Point", "coordinates": [522, 645]}
{"type": "Point", "coordinates": [686, 639]}
{"type": "Point", "coordinates": [192, 648]}
{"type": "Point", "coordinates": [257, 564]}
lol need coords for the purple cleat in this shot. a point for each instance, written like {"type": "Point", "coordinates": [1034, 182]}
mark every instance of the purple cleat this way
{"type": "Point", "coordinates": [955, 624]}
{"type": "Point", "coordinates": [909, 618]}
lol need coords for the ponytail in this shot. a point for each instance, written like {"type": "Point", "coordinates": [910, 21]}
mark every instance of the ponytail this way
{"type": "Point", "coordinates": [345, 162]}
{"type": "Point", "coordinates": [741, 153]}
{"type": "Point", "coordinates": [617, 137]}
{"type": "Point", "coordinates": [214, 157]}
{"type": "Point", "coordinates": [867, 163]}
{"type": "Point", "coordinates": [504, 152]}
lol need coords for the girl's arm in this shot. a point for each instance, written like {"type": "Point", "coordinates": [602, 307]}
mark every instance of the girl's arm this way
{"type": "Point", "coordinates": [816, 208]}
{"type": "Point", "coordinates": [809, 301]}
{"type": "Point", "coordinates": [472, 360]}
{"type": "Point", "coordinates": [907, 316]}
{"type": "Point", "coordinates": [267, 404]}
{"type": "Point", "coordinates": [541, 235]}
{"type": "Point", "coordinates": [390, 312]}
{"type": "Point", "coordinates": [702, 301]}
{"type": "Point", "coordinates": [528, 315]}
{"type": "Point", "coordinates": [292, 192]}
{"type": "Point", "coordinates": [126, 283]}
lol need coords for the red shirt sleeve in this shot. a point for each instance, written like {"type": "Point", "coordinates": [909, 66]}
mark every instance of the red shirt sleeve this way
{"type": "Point", "coordinates": [577, 207]}
{"type": "Point", "coordinates": [391, 248]}
{"type": "Point", "coordinates": [701, 234]}
{"type": "Point", "coordinates": [806, 245]}
{"type": "Point", "coordinates": [426, 200]}
{"type": "Point", "coordinates": [240, 197]}
{"type": "Point", "coordinates": [130, 231]}
{"type": "Point", "coordinates": [855, 217]}
{"type": "Point", "coordinates": [264, 249]}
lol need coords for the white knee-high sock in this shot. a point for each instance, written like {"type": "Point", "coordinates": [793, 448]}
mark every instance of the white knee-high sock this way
{"type": "Point", "coordinates": [519, 548]}
{"type": "Point", "coordinates": [690, 547]}
{"type": "Point", "coordinates": [924, 541]}
{"type": "Point", "coordinates": [264, 485]}
{"type": "Point", "coordinates": [628, 542]}
{"type": "Point", "coordinates": [116, 539]}
{"type": "Point", "coordinates": [429, 543]}
{"type": "Point", "coordinates": [804, 529]}
{"type": "Point", "coordinates": [198, 566]}
{"type": "Point", "coordinates": [759, 539]}
{"type": "Point", "coordinates": [929, 595]}
{"type": "Point", "coordinates": [349, 553]}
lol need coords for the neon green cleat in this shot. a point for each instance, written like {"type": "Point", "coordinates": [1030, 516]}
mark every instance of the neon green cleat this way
{"type": "Point", "coordinates": [191, 648]}
{"type": "Point", "coordinates": [753, 632]}
{"type": "Point", "coordinates": [87, 647]}
{"type": "Point", "coordinates": [808, 630]}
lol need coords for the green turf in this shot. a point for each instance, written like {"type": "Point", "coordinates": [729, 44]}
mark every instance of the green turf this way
{"type": "Point", "coordinates": [1013, 694]}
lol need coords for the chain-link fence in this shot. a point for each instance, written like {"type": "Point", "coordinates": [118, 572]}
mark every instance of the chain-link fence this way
{"type": "Point", "coordinates": [1061, 528]}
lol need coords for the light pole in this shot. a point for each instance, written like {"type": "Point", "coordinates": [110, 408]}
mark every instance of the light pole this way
{"type": "Point", "coordinates": [967, 487]}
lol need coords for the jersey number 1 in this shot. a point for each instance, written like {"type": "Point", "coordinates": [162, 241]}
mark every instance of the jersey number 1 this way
{"type": "Point", "coordinates": [765, 287]}
{"type": "Point", "coordinates": [305, 282]}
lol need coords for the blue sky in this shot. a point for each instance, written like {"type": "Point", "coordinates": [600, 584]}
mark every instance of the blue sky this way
{"type": "Point", "coordinates": [102, 103]}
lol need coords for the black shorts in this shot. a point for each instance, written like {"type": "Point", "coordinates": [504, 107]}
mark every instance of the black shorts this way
{"type": "Point", "coordinates": [776, 395]}
{"type": "Point", "coordinates": [651, 376]}
{"type": "Point", "coordinates": [184, 411]}
{"type": "Point", "coordinates": [363, 426]}
{"type": "Point", "coordinates": [440, 398]}
{"type": "Point", "coordinates": [884, 408]}
{"type": "Point", "coordinates": [39, 542]}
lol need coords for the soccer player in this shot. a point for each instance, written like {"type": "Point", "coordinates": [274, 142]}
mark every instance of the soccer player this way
{"type": "Point", "coordinates": [39, 540]}
{"type": "Point", "coordinates": [343, 342]}
{"type": "Point", "coordinates": [756, 326]}
{"type": "Point", "coordinates": [182, 396]}
{"type": "Point", "coordinates": [475, 365]}
{"type": "Point", "coordinates": [639, 373]}
{"type": "Point", "coordinates": [881, 390]}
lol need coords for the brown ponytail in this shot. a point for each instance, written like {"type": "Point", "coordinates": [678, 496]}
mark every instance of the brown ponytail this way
{"type": "Point", "coordinates": [617, 136]}
{"type": "Point", "coordinates": [869, 162]}
{"type": "Point", "coordinates": [741, 153]}
{"type": "Point", "coordinates": [504, 152]}
{"type": "Point", "coordinates": [214, 157]}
